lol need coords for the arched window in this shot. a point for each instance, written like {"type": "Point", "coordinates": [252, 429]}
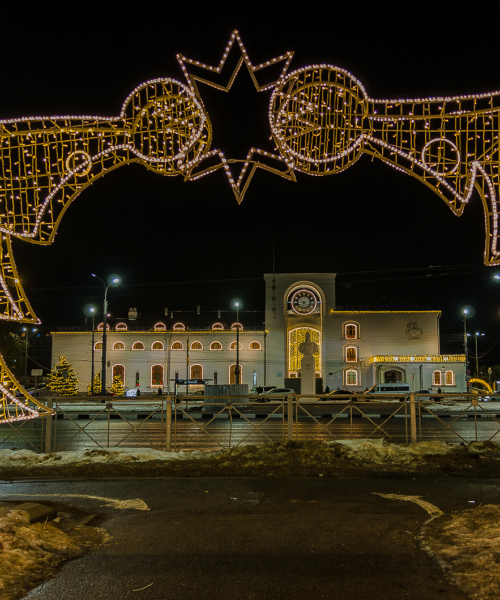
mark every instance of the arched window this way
{"type": "Point", "coordinates": [351, 377]}
{"type": "Point", "coordinates": [157, 346]}
{"type": "Point", "coordinates": [177, 346]}
{"type": "Point", "coordinates": [98, 346]}
{"type": "Point", "coordinates": [351, 331]}
{"type": "Point", "coordinates": [121, 327]}
{"type": "Point", "coordinates": [351, 354]}
{"type": "Point", "coordinates": [450, 377]}
{"type": "Point", "coordinates": [119, 370]}
{"type": "Point", "coordinates": [232, 374]}
{"type": "Point", "coordinates": [234, 325]}
{"type": "Point", "coordinates": [254, 346]}
{"type": "Point", "coordinates": [159, 326]}
{"type": "Point", "coordinates": [118, 346]}
{"type": "Point", "coordinates": [157, 375]}
{"type": "Point", "coordinates": [215, 346]}
{"type": "Point", "coordinates": [137, 346]}
{"type": "Point", "coordinates": [217, 327]}
{"type": "Point", "coordinates": [101, 325]}
{"type": "Point", "coordinates": [436, 378]}
{"type": "Point", "coordinates": [179, 327]}
{"type": "Point", "coordinates": [197, 346]}
{"type": "Point", "coordinates": [232, 346]}
{"type": "Point", "coordinates": [196, 372]}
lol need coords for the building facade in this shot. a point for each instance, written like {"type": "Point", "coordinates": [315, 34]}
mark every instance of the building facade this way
{"type": "Point", "coordinates": [356, 349]}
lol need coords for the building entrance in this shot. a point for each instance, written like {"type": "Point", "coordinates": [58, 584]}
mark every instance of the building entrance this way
{"type": "Point", "coordinates": [393, 377]}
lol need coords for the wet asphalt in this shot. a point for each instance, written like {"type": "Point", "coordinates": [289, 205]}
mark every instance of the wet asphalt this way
{"type": "Point", "coordinates": [259, 538]}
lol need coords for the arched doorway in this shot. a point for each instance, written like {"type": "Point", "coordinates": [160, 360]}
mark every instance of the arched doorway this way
{"type": "Point", "coordinates": [393, 376]}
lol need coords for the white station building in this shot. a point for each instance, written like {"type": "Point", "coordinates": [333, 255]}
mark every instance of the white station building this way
{"type": "Point", "coordinates": [356, 348]}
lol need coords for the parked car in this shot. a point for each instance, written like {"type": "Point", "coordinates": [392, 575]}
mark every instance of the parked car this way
{"type": "Point", "coordinates": [390, 390]}
{"type": "Point", "coordinates": [493, 397]}
{"type": "Point", "coordinates": [337, 393]}
{"type": "Point", "coordinates": [278, 394]}
{"type": "Point", "coordinates": [265, 389]}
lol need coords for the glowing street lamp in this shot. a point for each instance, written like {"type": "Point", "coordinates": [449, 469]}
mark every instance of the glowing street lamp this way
{"type": "Point", "coordinates": [465, 312]}
{"type": "Point", "coordinates": [476, 335]}
{"type": "Point", "coordinates": [113, 281]}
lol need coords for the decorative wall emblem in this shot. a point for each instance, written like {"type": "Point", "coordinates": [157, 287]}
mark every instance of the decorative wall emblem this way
{"type": "Point", "coordinates": [413, 331]}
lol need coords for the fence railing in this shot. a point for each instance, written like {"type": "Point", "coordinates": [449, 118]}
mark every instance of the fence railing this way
{"type": "Point", "coordinates": [176, 423]}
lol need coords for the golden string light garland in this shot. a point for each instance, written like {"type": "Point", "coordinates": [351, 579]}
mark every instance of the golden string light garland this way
{"type": "Point", "coordinates": [321, 121]}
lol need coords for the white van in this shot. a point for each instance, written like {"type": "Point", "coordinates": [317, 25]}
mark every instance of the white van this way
{"type": "Point", "coordinates": [393, 390]}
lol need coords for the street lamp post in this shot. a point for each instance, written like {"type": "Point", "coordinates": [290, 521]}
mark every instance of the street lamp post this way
{"type": "Point", "coordinates": [465, 313]}
{"type": "Point", "coordinates": [477, 334]}
{"type": "Point", "coordinates": [112, 282]}
{"type": "Point", "coordinates": [90, 311]}
{"type": "Point", "coordinates": [26, 331]}
{"type": "Point", "coordinates": [237, 304]}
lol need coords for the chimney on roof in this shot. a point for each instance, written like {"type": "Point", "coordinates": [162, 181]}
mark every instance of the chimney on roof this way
{"type": "Point", "coordinates": [132, 314]}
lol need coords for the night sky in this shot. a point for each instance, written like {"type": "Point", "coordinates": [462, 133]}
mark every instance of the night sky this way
{"type": "Point", "coordinates": [178, 244]}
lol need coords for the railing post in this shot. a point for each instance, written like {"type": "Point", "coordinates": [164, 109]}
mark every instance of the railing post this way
{"type": "Point", "coordinates": [289, 402]}
{"type": "Point", "coordinates": [413, 419]}
{"type": "Point", "coordinates": [48, 428]}
{"type": "Point", "coordinates": [168, 444]}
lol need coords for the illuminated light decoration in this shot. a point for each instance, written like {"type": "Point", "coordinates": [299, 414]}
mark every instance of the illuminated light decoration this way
{"type": "Point", "coordinates": [482, 382]}
{"type": "Point", "coordinates": [101, 325]}
{"type": "Point", "coordinates": [16, 403]}
{"type": "Point", "coordinates": [121, 327]}
{"type": "Point", "coordinates": [436, 378]}
{"type": "Point", "coordinates": [254, 346]}
{"type": "Point", "coordinates": [232, 346]}
{"type": "Point", "coordinates": [196, 346]}
{"type": "Point", "coordinates": [321, 121]}
{"type": "Point", "coordinates": [295, 338]}
{"type": "Point", "coordinates": [232, 375]}
{"type": "Point", "coordinates": [215, 346]}
{"type": "Point", "coordinates": [177, 346]}
{"type": "Point", "coordinates": [304, 302]}
{"type": "Point", "coordinates": [118, 346]}
{"type": "Point", "coordinates": [98, 346]}
{"type": "Point", "coordinates": [234, 325]}
{"type": "Point", "coordinates": [157, 345]}
{"type": "Point", "coordinates": [449, 378]}
{"type": "Point", "coordinates": [179, 327]}
{"type": "Point", "coordinates": [159, 326]}
{"type": "Point", "coordinates": [217, 326]}
{"type": "Point", "coordinates": [138, 346]}
{"type": "Point", "coordinates": [418, 358]}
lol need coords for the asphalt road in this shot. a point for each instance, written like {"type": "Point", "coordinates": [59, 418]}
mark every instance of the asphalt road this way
{"type": "Point", "coordinates": [259, 538]}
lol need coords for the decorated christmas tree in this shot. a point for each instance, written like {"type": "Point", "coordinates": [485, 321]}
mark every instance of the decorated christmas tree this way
{"type": "Point", "coordinates": [117, 386]}
{"type": "Point", "coordinates": [62, 379]}
{"type": "Point", "coordinates": [97, 384]}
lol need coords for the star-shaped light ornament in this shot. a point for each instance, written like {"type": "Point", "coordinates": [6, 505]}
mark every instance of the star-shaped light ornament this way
{"type": "Point", "coordinates": [256, 158]}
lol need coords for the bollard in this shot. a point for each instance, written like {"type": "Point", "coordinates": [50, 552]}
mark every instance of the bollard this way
{"type": "Point", "coordinates": [289, 402]}
{"type": "Point", "coordinates": [413, 420]}
{"type": "Point", "coordinates": [168, 441]}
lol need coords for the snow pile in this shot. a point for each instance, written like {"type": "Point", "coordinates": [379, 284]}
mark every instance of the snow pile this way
{"type": "Point", "coordinates": [467, 547]}
{"type": "Point", "coordinates": [304, 458]}
{"type": "Point", "coordinates": [19, 458]}
{"type": "Point", "coordinates": [31, 554]}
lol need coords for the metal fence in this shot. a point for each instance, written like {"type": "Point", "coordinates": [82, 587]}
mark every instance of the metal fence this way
{"type": "Point", "coordinates": [176, 423]}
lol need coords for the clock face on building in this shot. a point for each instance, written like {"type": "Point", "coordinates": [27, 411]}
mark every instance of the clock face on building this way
{"type": "Point", "coordinates": [303, 302]}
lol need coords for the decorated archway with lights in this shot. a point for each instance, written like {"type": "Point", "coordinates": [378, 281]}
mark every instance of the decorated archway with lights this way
{"type": "Point", "coordinates": [321, 121]}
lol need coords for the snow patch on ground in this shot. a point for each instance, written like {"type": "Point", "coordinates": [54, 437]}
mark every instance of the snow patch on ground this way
{"type": "Point", "coordinates": [31, 554]}
{"type": "Point", "coordinates": [467, 547]}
